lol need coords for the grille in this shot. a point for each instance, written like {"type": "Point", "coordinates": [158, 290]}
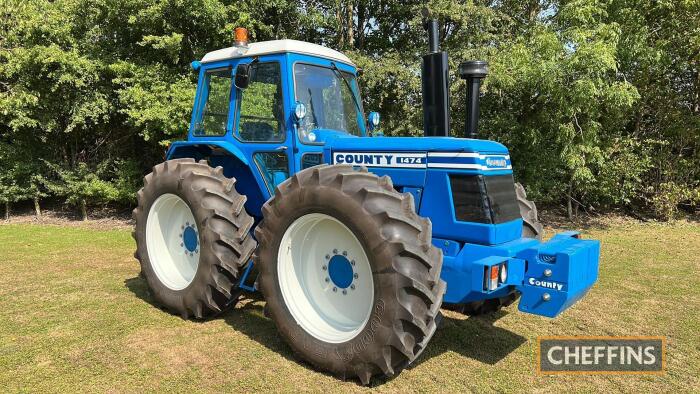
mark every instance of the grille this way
{"type": "Point", "coordinates": [484, 199]}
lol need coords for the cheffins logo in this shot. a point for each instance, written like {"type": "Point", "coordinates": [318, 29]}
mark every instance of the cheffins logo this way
{"type": "Point", "coordinates": [545, 284]}
{"type": "Point", "coordinates": [601, 355]}
{"type": "Point", "coordinates": [381, 159]}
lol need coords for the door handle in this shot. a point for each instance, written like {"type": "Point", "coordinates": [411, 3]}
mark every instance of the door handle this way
{"type": "Point", "coordinates": [281, 148]}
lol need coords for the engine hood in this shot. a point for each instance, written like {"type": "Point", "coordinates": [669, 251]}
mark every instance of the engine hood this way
{"type": "Point", "coordinates": [416, 144]}
{"type": "Point", "coordinates": [446, 153]}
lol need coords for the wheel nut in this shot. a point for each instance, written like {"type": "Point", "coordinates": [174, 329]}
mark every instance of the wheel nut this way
{"type": "Point", "coordinates": [328, 280]}
{"type": "Point", "coordinates": [546, 297]}
{"type": "Point", "coordinates": [356, 276]}
{"type": "Point", "coordinates": [352, 262]}
{"type": "Point", "coordinates": [335, 289]}
{"type": "Point", "coordinates": [181, 244]}
{"type": "Point", "coordinates": [324, 268]}
{"type": "Point", "coordinates": [328, 257]}
{"type": "Point", "coordinates": [335, 251]}
{"type": "Point", "coordinates": [345, 292]}
{"type": "Point", "coordinates": [352, 287]}
{"type": "Point", "coordinates": [345, 252]}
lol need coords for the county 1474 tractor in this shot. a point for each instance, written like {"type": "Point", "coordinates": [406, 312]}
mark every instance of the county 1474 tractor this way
{"type": "Point", "coordinates": [354, 239]}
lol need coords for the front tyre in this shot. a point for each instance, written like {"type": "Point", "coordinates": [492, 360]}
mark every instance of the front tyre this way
{"type": "Point", "coordinates": [192, 237]}
{"type": "Point", "coordinates": [348, 270]}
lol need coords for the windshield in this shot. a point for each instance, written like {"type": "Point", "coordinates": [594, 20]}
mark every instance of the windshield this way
{"type": "Point", "coordinates": [331, 103]}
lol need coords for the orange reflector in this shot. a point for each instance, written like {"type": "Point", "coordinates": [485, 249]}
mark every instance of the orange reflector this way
{"type": "Point", "coordinates": [493, 283]}
{"type": "Point", "coordinates": [241, 36]}
{"type": "Point", "coordinates": [494, 273]}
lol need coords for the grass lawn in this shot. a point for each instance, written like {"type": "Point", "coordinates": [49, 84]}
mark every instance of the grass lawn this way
{"type": "Point", "coordinates": [75, 316]}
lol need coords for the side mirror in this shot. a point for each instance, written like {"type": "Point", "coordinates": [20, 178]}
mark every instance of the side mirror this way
{"type": "Point", "coordinates": [373, 120]}
{"type": "Point", "coordinates": [242, 76]}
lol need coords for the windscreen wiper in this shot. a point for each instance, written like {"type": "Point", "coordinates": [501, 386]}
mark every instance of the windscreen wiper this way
{"type": "Point", "coordinates": [352, 92]}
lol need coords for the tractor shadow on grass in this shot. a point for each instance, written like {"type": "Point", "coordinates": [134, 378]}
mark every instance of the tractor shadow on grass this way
{"type": "Point", "coordinates": [476, 338]}
{"type": "Point", "coordinates": [247, 318]}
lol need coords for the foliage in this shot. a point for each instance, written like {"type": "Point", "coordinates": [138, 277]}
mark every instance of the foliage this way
{"type": "Point", "coordinates": [80, 185]}
{"type": "Point", "coordinates": [598, 100]}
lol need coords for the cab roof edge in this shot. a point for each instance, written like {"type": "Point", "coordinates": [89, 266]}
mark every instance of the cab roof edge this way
{"type": "Point", "coordinates": [276, 46]}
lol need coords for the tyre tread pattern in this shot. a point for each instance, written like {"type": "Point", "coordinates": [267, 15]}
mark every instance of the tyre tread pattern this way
{"type": "Point", "coordinates": [415, 267]}
{"type": "Point", "coordinates": [531, 225]}
{"type": "Point", "coordinates": [224, 228]}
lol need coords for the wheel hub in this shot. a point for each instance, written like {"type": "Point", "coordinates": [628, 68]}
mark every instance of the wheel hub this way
{"type": "Point", "coordinates": [189, 238]}
{"type": "Point", "coordinates": [340, 271]}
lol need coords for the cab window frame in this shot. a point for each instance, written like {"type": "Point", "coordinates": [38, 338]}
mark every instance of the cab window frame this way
{"type": "Point", "coordinates": [203, 99]}
{"type": "Point", "coordinates": [236, 104]}
{"type": "Point", "coordinates": [343, 68]}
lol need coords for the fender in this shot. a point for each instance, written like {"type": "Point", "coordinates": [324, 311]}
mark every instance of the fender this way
{"type": "Point", "coordinates": [195, 149]}
{"type": "Point", "coordinates": [235, 164]}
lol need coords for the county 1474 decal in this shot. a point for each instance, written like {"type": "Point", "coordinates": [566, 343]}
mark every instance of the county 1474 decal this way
{"type": "Point", "coordinates": [381, 159]}
{"type": "Point", "coordinates": [444, 160]}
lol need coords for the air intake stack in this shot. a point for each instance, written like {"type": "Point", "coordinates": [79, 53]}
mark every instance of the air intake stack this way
{"type": "Point", "coordinates": [434, 74]}
{"type": "Point", "coordinates": [473, 71]}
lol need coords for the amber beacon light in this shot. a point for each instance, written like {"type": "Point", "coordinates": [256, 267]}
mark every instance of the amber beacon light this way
{"type": "Point", "coordinates": [241, 36]}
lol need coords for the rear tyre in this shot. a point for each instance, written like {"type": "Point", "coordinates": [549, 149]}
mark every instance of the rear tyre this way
{"type": "Point", "coordinates": [349, 273]}
{"type": "Point", "coordinates": [192, 237]}
{"type": "Point", "coordinates": [532, 228]}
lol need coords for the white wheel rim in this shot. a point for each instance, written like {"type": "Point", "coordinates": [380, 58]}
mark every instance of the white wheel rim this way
{"type": "Point", "coordinates": [172, 241]}
{"type": "Point", "coordinates": [325, 278]}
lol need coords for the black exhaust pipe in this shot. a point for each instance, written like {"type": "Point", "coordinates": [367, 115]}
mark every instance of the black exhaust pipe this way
{"type": "Point", "coordinates": [473, 71]}
{"type": "Point", "coordinates": [434, 75]}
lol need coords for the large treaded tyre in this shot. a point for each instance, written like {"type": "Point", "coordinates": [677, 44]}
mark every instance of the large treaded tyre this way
{"type": "Point", "coordinates": [222, 244]}
{"type": "Point", "coordinates": [403, 312]}
{"type": "Point", "coordinates": [532, 228]}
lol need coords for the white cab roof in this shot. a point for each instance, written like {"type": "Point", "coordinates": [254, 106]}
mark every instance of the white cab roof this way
{"type": "Point", "coordinates": [276, 46]}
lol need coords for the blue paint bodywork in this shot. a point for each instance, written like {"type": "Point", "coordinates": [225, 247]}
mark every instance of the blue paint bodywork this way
{"type": "Point", "coordinates": [421, 167]}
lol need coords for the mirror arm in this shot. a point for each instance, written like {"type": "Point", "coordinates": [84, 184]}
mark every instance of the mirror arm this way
{"type": "Point", "coordinates": [248, 66]}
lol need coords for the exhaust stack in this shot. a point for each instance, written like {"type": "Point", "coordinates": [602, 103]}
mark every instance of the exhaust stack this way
{"type": "Point", "coordinates": [473, 71]}
{"type": "Point", "coordinates": [434, 75]}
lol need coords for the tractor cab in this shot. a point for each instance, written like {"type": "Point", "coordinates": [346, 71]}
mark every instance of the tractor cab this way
{"type": "Point", "coordinates": [274, 105]}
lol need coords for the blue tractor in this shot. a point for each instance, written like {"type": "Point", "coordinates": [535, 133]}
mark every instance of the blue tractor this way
{"type": "Point", "coordinates": [354, 239]}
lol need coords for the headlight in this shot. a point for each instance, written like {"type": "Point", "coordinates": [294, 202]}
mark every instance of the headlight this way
{"type": "Point", "coordinates": [299, 111]}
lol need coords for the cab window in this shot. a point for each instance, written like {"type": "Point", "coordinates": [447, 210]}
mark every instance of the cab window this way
{"type": "Point", "coordinates": [331, 97]}
{"type": "Point", "coordinates": [274, 166]}
{"type": "Point", "coordinates": [261, 107]}
{"type": "Point", "coordinates": [214, 104]}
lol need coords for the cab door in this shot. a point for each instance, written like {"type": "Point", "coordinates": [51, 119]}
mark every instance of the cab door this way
{"type": "Point", "coordinates": [260, 122]}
